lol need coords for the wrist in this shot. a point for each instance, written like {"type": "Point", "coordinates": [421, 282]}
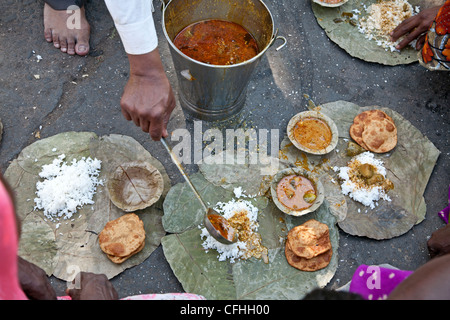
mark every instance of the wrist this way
{"type": "Point", "coordinates": [145, 65]}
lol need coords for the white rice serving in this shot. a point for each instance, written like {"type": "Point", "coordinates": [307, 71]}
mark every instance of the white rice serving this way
{"type": "Point", "coordinates": [368, 196]}
{"type": "Point", "coordinates": [66, 187]}
{"type": "Point", "coordinates": [227, 210]}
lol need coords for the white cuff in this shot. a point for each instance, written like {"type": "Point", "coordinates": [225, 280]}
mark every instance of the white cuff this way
{"type": "Point", "coordinates": [139, 37]}
{"type": "Point", "coordinates": [134, 23]}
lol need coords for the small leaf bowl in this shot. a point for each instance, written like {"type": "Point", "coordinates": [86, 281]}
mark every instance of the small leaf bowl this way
{"type": "Point", "coordinates": [135, 185]}
{"type": "Point", "coordinates": [320, 192]}
{"type": "Point", "coordinates": [318, 115]}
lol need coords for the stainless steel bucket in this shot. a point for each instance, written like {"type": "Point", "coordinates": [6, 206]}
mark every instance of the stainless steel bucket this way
{"type": "Point", "coordinates": [212, 92]}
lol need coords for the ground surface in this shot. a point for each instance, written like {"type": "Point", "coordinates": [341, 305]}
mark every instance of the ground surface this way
{"type": "Point", "coordinates": [83, 93]}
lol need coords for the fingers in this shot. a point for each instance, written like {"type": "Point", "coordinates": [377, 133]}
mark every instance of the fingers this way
{"type": "Point", "coordinates": [93, 287]}
{"type": "Point", "coordinates": [413, 27]}
{"type": "Point", "coordinates": [148, 101]}
{"type": "Point", "coordinates": [166, 119]}
{"type": "Point", "coordinates": [34, 281]}
{"type": "Point", "coordinates": [160, 120]}
{"type": "Point", "coordinates": [157, 126]}
{"type": "Point", "coordinates": [125, 113]}
{"type": "Point", "coordinates": [165, 133]}
{"type": "Point", "coordinates": [404, 28]}
{"type": "Point", "coordinates": [152, 119]}
{"type": "Point", "coordinates": [408, 38]}
{"type": "Point", "coordinates": [74, 294]}
{"type": "Point", "coordinates": [132, 115]}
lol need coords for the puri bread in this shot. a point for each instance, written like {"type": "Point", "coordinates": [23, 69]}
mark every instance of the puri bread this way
{"type": "Point", "coordinates": [308, 246]}
{"type": "Point", "coordinates": [309, 239]}
{"type": "Point", "coordinates": [359, 122]}
{"type": "Point", "coordinates": [369, 115]}
{"type": "Point", "coordinates": [122, 236]}
{"type": "Point", "coordinates": [356, 131]}
{"type": "Point", "coordinates": [319, 262]}
{"type": "Point", "coordinates": [380, 135]}
{"type": "Point", "coordinates": [119, 260]}
{"type": "Point", "coordinates": [376, 128]}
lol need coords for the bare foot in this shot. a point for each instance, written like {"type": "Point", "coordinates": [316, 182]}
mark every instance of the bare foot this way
{"type": "Point", "coordinates": [74, 40]}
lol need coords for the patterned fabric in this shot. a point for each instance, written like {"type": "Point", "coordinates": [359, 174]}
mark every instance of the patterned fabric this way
{"type": "Point", "coordinates": [376, 282]}
{"type": "Point", "coordinates": [435, 54]}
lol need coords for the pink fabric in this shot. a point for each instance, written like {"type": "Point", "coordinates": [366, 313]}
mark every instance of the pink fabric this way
{"type": "Point", "coordinates": [376, 282]}
{"type": "Point", "coordinates": [9, 281]}
{"type": "Point", "coordinates": [156, 296]}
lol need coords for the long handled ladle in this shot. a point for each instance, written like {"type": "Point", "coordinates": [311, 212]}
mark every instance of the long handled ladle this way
{"type": "Point", "coordinates": [217, 226]}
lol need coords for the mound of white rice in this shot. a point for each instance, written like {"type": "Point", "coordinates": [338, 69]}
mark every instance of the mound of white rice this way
{"type": "Point", "coordinates": [366, 196]}
{"type": "Point", "coordinates": [66, 187]}
{"type": "Point", "coordinates": [228, 209]}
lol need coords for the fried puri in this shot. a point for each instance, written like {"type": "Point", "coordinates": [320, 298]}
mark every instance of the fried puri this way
{"type": "Point", "coordinates": [374, 130]}
{"type": "Point", "coordinates": [308, 246]}
{"type": "Point", "coordinates": [123, 237]}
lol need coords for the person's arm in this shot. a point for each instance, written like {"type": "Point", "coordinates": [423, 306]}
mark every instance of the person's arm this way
{"type": "Point", "coordinates": [93, 286]}
{"type": "Point", "coordinates": [439, 242]}
{"type": "Point", "coordinates": [147, 99]}
{"type": "Point", "coordinates": [135, 25]}
{"type": "Point", "coordinates": [34, 281]}
{"type": "Point", "coordinates": [413, 27]}
{"type": "Point", "coordinates": [429, 282]}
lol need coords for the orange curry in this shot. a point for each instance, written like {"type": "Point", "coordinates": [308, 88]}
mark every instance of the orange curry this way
{"type": "Point", "coordinates": [312, 133]}
{"type": "Point", "coordinates": [216, 42]}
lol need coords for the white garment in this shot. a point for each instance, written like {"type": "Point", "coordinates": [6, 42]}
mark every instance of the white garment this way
{"type": "Point", "coordinates": [134, 23]}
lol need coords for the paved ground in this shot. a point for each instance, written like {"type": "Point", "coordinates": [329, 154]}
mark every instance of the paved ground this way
{"type": "Point", "coordinates": [64, 99]}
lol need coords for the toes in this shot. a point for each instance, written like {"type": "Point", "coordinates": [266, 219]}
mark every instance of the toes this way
{"type": "Point", "coordinates": [82, 46]}
{"type": "Point", "coordinates": [55, 39]}
{"type": "Point", "coordinates": [48, 35]}
{"type": "Point", "coordinates": [82, 49]}
{"type": "Point", "coordinates": [71, 46]}
{"type": "Point", "coordinates": [63, 44]}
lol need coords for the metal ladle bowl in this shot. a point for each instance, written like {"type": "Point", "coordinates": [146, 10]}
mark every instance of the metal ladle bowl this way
{"type": "Point", "coordinates": [216, 224]}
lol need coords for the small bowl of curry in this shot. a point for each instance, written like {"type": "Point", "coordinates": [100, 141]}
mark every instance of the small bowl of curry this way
{"type": "Point", "coordinates": [296, 191]}
{"type": "Point", "coordinates": [313, 132]}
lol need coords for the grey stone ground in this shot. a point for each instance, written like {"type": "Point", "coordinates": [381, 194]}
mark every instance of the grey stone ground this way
{"type": "Point", "coordinates": [65, 99]}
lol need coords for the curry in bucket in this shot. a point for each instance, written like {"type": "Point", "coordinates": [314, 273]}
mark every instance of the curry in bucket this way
{"type": "Point", "coordinates": [216, 42]}
{"type": "Point", "coordinates": [296, 192]}
{"type": "Point", "coordinates": [312, 133]}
